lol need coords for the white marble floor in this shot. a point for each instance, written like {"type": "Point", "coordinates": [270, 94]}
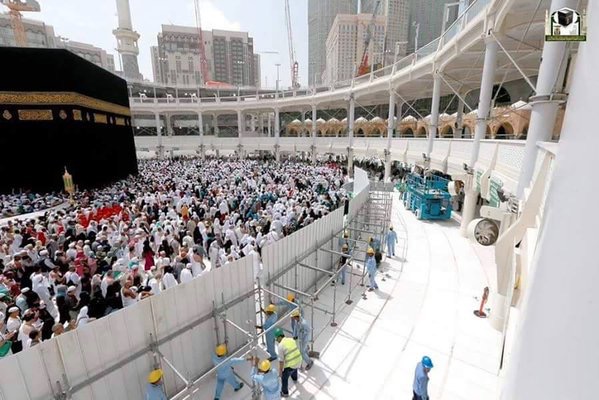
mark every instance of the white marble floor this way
{"type": "Point", "coordinates": [423, 308]}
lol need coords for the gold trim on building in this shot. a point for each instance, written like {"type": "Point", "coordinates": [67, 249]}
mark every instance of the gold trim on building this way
{"type": "Point", "coordinates": [35, 115]}
{"type": "Point", "coordinates": [100, 118]}
{"type": "Point", "coordinates": [56, 98]}
{"type": "Point", "coordinates": [77, 115]}
{"type": "Point", "coordinates": [120, 121]}
{"type": "Point", "coordinates": [7, 115]}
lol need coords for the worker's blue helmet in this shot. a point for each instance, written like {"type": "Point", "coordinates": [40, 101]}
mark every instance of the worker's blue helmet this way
{"type": "Point", "coordinates": [427, 362]}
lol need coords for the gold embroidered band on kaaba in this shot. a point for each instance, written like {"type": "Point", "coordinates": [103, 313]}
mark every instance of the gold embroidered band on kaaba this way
{"type": "Point", "coordinates": [61, 98]}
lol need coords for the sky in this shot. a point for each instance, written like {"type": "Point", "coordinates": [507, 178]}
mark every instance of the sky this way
{"type": "Point", "coordinates": [92, 21]}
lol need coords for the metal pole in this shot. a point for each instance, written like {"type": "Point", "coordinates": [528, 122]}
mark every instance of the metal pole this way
{"type": "Point", "coordinates": [333, 323]}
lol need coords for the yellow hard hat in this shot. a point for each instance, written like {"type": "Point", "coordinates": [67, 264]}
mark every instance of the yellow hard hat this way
{"type": "Point", "coordinates": [295, 313]}
{"type": "Point", "coordinates": [264, 366]}
{"type": "Point", "coordinates": [370, 250]}
{"type": "Point", "coordinates": [155, 376]}
{"type": "Point", "coordinates": [271, 308]}
{"type": "Point", "coordinates": [290, 297]}
{"type": "Point", "coordinates": [221, 350]}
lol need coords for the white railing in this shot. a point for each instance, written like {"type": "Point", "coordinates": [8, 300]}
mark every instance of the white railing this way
{"type": "Point", "coordinates": [474, 9]}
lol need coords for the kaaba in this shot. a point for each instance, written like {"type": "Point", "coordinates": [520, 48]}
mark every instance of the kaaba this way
{"type": "Point", "coordinates": [59, 110]}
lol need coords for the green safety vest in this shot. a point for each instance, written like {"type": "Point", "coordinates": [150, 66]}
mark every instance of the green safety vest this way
{"type": "Point", "coordinates": [293, 357]}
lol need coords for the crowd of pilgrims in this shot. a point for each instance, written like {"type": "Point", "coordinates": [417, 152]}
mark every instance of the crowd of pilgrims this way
{"type": "Point", "coordinates": [174, 221]}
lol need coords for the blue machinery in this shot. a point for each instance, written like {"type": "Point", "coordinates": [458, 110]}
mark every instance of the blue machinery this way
{"type": "Point", "coordinates": [427, 197]}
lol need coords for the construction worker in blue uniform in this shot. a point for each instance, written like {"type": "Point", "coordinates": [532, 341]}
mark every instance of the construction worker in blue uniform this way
{"type": "Point", "coordinates": [391, 240]}
{"type": "Point", "coordinates": [303, 334]}
{"type": "Point", "coordinates": [283, 307]}
{"type": "Point", "coordinates": [420, 386]}
{"type": "Point", "coordinates": [154, 389]}
{"type": "Point", "coordinates": [271, 320]}
{"type": "Point", "coordinates": [343, 264]}
{"type": "Point", "coordinates": [344, 240]}
{"type": "Point", "coordinates": [267, 378]}
{"type": "Point", "coordinates": [225, 373]}
{"type": "Point", "coordinates": [370, 264]}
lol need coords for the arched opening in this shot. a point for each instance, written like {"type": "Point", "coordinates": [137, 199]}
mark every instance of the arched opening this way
{"type": "Point", "coordinates": [375, 132]}
{"type": "Point", "coordinates": [408, 132]}
{"type": "Point", "coordinates": [505, 131]}
{"type": "Point", "coordinates": [447, 132]}
{"type": "Point", "coordinates": [360, 133]}
{"type": "Point", "coordinates": [488, 133]}
{"type": "Point", "coordinates": [421, 132]}
{"type": "Point", "coordinates": [467, 132]}
{"type": "Point", "coordinates": [524, 133]}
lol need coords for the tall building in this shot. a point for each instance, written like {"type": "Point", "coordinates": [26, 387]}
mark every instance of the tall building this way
{"type": "Point", "coordinates": [38, 33]}
{"type": "Point", "coordinates": [345, 45]}
{"type": "Point", "coordinates": [230, 56]}
{"type": "Point", "coordinates": [321, 14]}
{"type": "Point", "coordinates": [90, 52]}
{"type": "Point", "coordinates": [428, 14]}
{"type": "Point", "coordinates": [41, 35]}
{"type": "Point", "coordinates": [127, 41]}
{"type": "Point", "coordinates": [257, 71]}
{"type": "Point", "coordinates": [397, 24]}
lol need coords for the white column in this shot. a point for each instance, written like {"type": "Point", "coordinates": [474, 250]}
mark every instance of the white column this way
{"type": "Point", "coordinates": [391, 116]}
{"type": "Point", "coordinates": [269, 129]}
{"type": "Point", "coordinates": [457, 133]}
{"type": "Point", "coordinates": [544, 108]}
{"type": "Point", "coordinates": [350, 134]}
{"type": "Point", "coordinates": [253, 124]}
{"type": "Point", "coordinates": [201, 126]}
{"type": "Point", "coordinates": [486, 92]}
{"type": "Point", "coordinates": [240, 124]}
{"type": "Point", "coordinates": [277, 134]}
{"type": "Point", "coordinates": [159, 133]}
{"type": "Point", "coordinates": [433, 125]}
{"type": "Point", "coordinates": [484, 108]}
{"type": "Point", "coordinates": [303, 119]}
{"type": "Point", "coordinates": [215, 124]}
{"type": "Point", "coordinates": [555, 353]}
{"type": "Point", "coordinates": [314, 133]}
{"type": "Point", "coordinates": [261, 123]}
{"type": "Point", "coordinates": [390, 126]}
{"type": "Point", "coordinates": [169, 125]}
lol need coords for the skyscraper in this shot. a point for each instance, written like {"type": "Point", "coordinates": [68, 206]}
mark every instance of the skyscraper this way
{"type": "Point", "coordinates": [428, 14]}
{"type": "Point", "coordinates": [397, 23]}
{"type": "Point", "coordinates": [345, 45]}
{"type": "Point", "coordinates": [321, 14]}
{"type": "Point", "coordinates": [230, 57]}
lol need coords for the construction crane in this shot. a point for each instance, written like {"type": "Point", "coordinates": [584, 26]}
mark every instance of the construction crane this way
{"type": "Point", "coordinates": [294, 65]}
{"type": "Point", "coordinates": [16, 18]}
{"type": "Point", "coordinates": [364, 68]}
{"type": "Point", "coordinates": [204, 69]}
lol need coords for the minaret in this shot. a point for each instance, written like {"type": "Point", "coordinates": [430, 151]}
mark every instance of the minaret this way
{"type": "Point", "coordinates": [127, 41]}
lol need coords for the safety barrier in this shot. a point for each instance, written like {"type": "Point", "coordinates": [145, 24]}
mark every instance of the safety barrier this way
{"type": "Point", "coordinates": [178, 328]}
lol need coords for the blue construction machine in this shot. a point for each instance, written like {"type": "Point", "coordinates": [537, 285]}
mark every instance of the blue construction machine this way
{"type": "Point", "coordinates": [427, 196]}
